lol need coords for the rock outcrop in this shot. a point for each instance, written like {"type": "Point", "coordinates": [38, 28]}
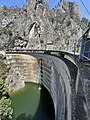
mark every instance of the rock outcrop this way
{"type": "Point", "coordinates": [23, 68]}
{"type": "Point", "coordinates": [35, 26]}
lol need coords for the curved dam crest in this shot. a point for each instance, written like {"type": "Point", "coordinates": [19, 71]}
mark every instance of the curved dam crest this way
{"type": "Point", "coordinates": [50, 71]}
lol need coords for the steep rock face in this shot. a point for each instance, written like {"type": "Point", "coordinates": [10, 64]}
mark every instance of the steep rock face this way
{"type": "Point", "coordinates": [66, 21]}
{"type": "Point", "coordinates": [34, 26]}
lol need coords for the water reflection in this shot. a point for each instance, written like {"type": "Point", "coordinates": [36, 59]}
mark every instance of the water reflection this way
{"type": "Point", "coordinates": [31, 104]}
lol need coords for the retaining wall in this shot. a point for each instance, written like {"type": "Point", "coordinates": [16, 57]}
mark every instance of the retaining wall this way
{"type": "Point", "coordinates": [54, 74]}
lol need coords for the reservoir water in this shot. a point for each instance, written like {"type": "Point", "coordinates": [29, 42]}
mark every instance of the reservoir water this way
{"type": "Point", "coordinates": [30, 103]}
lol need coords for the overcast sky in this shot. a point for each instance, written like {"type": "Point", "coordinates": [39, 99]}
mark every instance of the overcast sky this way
{"type": "Point", "coordinates": [52, 3]}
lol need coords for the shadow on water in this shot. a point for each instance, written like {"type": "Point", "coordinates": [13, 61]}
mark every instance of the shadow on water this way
{"type": "Point", "coordinates": [23, 116]}
{"type": "Point", "coordinates": [48, 106]}
{"type": "Point", "coordinates": [45, 110]}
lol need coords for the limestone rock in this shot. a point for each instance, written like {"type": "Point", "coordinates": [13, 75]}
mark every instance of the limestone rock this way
{"type": "Point", "coordinates": [35, 26]}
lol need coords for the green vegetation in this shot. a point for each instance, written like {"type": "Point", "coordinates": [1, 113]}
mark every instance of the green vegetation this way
{"type": "Point", "coordinates": [5, 13]}
{"type": "Point", "coordinates": [5, 108]}
{"type": "Point", "coordinates": [5, 102]}
{"type": "Point", "coordinates": [6, 31]}
{"type": "Point", "coordinates": [3, 69]}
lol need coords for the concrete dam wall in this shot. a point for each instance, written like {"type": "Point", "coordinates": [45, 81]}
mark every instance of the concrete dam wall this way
{"type": "Point", "coordinates": [48, 70]}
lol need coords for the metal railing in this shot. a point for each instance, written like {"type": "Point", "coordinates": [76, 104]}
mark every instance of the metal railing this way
{"type": "Point", "coordinates": [85, 46]}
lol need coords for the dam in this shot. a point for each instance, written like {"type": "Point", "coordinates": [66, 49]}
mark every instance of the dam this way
{"type": "Point", "coordinates": [39, 47]}
{"type": "Point", "coordinates": [56, 73]}
{"type": "Point", "coordinates": [65, 75]}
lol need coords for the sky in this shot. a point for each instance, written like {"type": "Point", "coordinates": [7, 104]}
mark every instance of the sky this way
{"type": "Point", "coordinates": [52, 4]}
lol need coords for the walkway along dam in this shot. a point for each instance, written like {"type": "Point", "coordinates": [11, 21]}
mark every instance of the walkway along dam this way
{"type": "Point", "coordinates": [60, 73]}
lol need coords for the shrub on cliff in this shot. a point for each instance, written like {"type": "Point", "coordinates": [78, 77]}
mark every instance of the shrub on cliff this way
{"type": "Point", "coordinates": [5, 103]}
{"type": "Point", "coordinates": [5, 108]}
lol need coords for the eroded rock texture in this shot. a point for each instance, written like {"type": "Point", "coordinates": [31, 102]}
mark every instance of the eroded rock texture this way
{"type": "Point", "coordinates": [35, 26]}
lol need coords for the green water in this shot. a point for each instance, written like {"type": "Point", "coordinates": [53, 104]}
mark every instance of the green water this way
{"type": "Point", "coordinates": [29, 103]}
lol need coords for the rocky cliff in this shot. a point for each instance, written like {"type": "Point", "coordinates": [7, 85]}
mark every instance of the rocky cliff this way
{"type": "Point", "coordinates": [35, 26]}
